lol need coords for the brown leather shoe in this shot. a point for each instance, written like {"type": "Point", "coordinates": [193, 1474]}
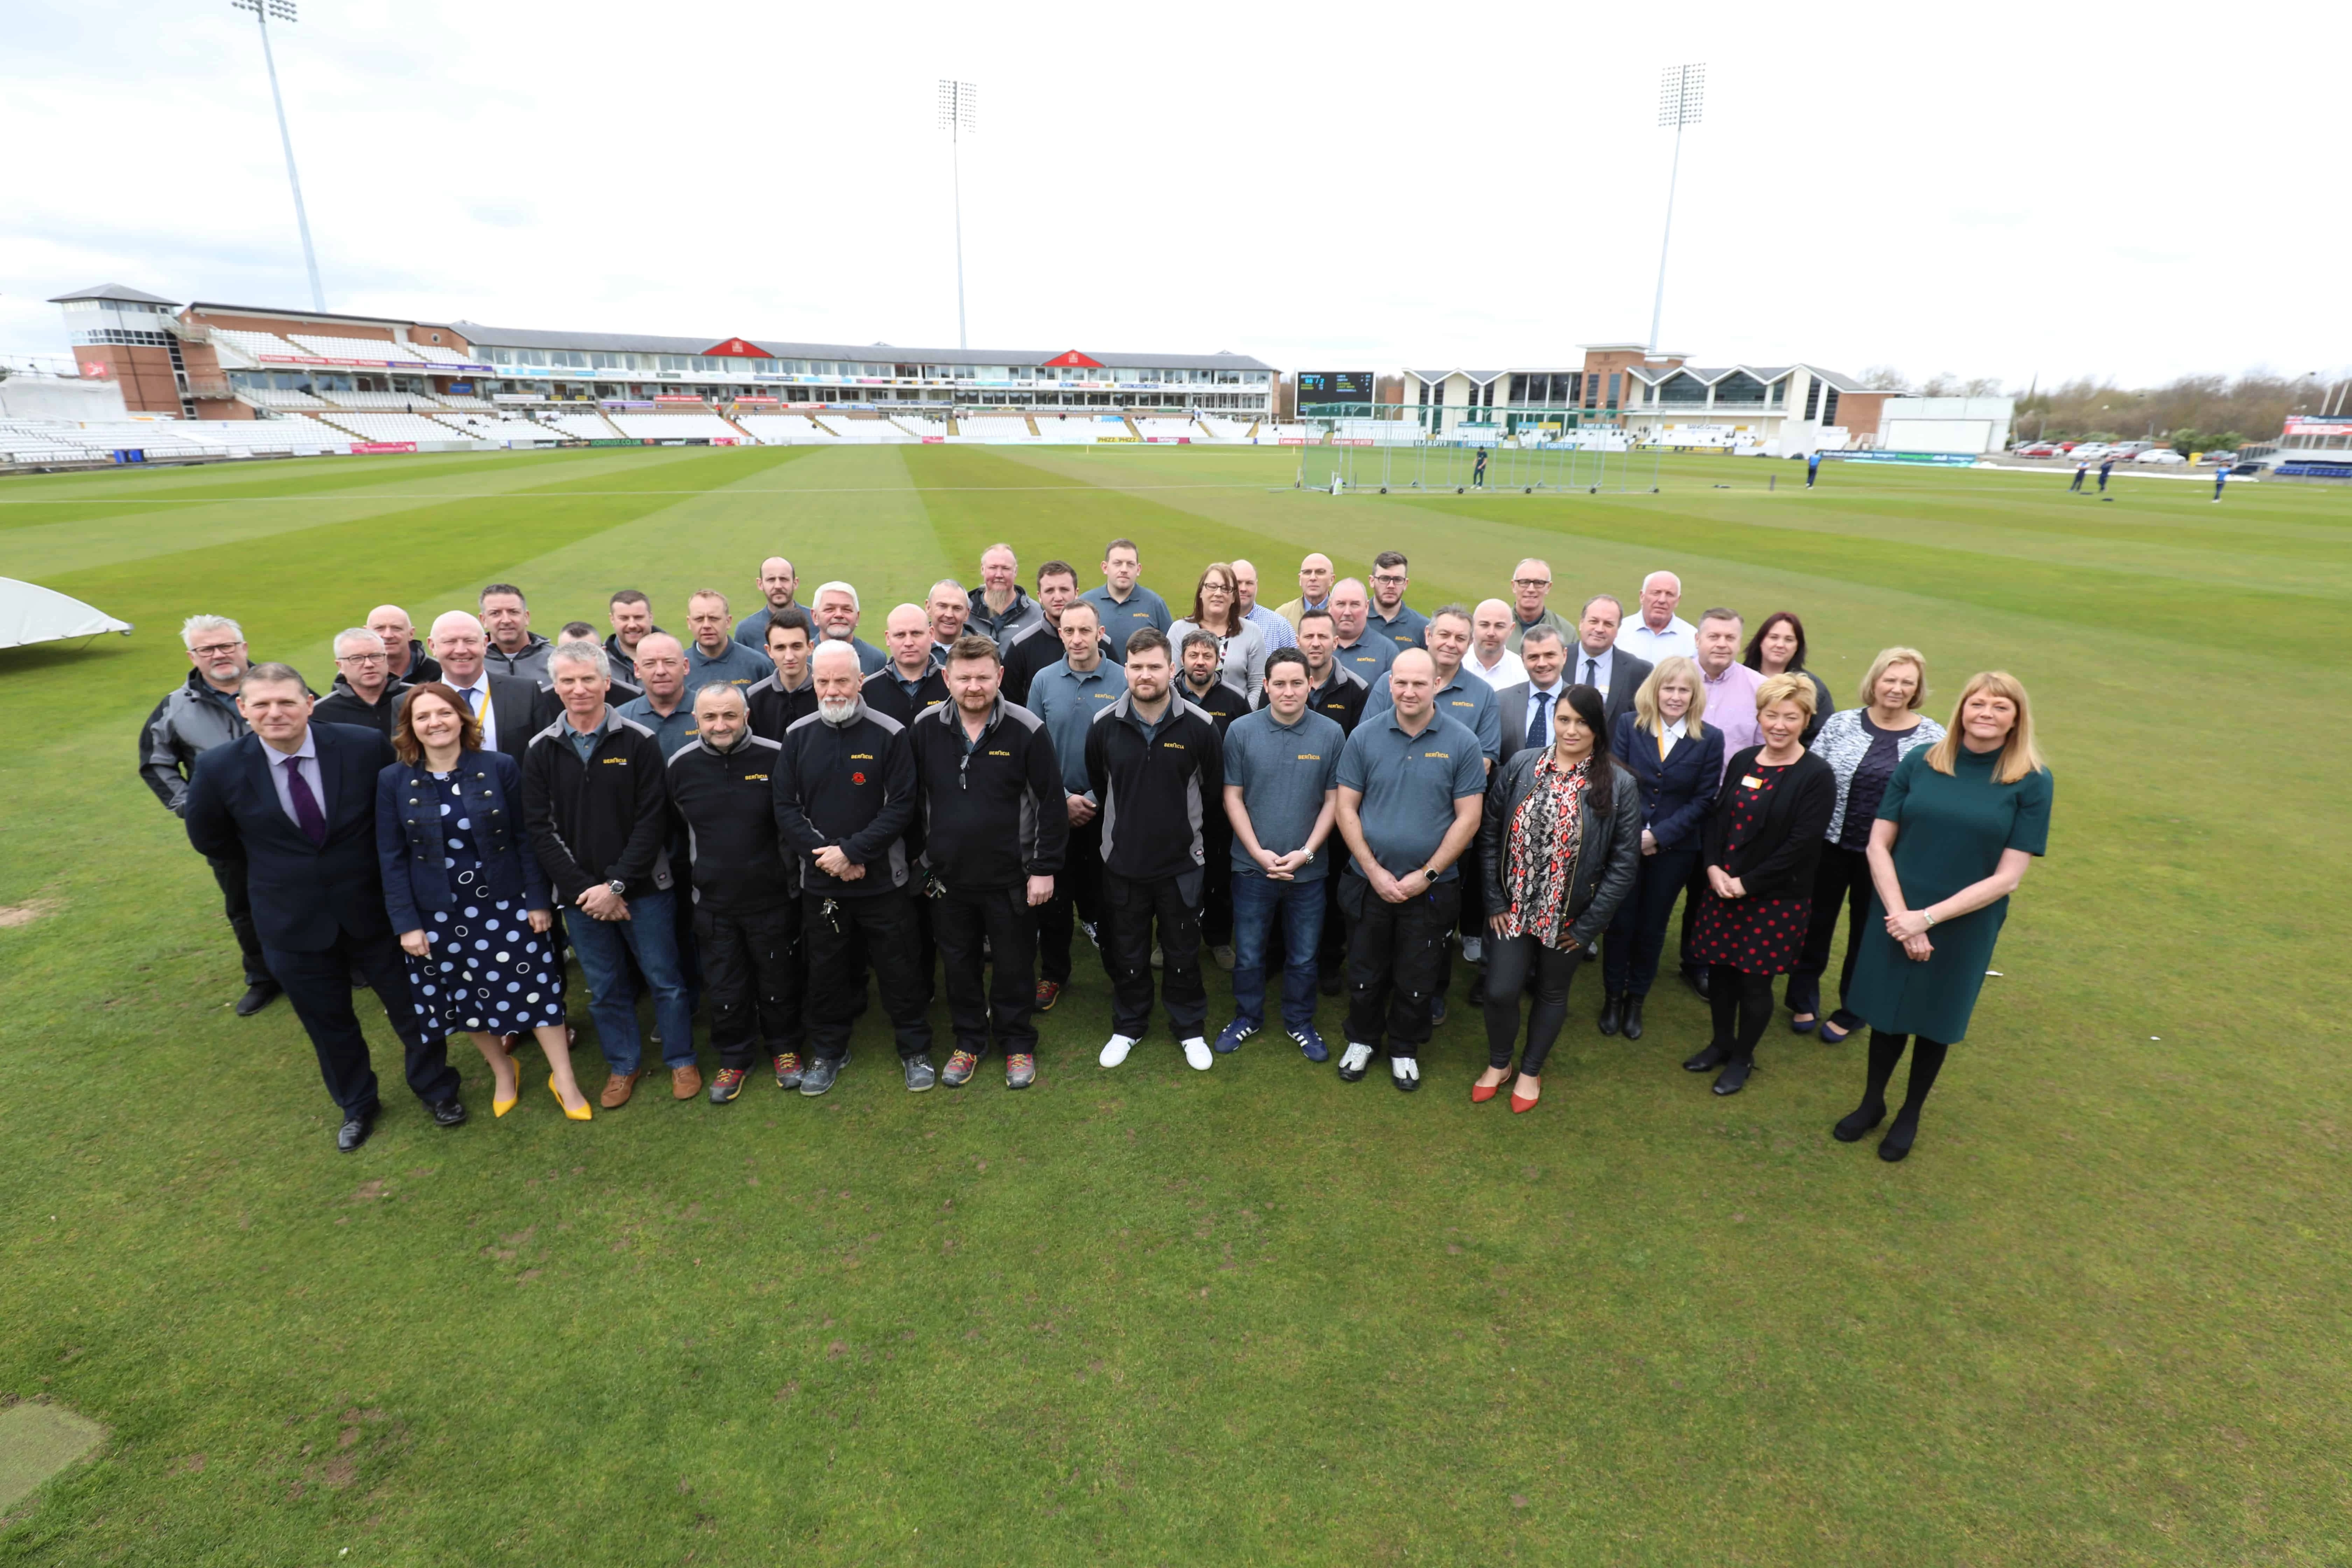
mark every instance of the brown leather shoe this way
{"type": "Point", "coordinates": [618, 1088]}
{"type": "Point", "coordinates": [685, 1083]}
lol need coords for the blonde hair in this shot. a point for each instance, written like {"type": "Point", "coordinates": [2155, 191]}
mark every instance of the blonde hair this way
{"type": "Point", "coordinates": [2019, 756]}
{"type": "Point", "coordinates": [1789, 687]}
{"type": "Point", "coordinates": [1674, 666]}
{"type": "Point", "coordinates": [1888, 658]}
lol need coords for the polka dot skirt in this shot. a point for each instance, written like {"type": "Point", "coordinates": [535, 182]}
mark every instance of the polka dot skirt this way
{"type": "Point", "coordinates": [486, 969]}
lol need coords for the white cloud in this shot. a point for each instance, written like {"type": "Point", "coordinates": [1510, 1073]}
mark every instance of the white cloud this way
{"type": "Point", "coordinates": [1997, 191]}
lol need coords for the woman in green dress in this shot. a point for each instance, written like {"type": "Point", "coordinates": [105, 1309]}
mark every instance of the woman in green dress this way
{"type": "Point", "coordinates": [1956, 829]}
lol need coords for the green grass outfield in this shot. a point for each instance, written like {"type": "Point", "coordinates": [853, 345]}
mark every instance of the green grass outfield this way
{"type": "Point", "coordinates": [1253, 1315]}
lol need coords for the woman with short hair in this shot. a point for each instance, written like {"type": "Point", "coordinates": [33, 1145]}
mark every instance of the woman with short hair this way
{"type": "Point", "coordinates": [1778, 648]}
{"type": "Point", "coordinates": [1862, 745]}
{"type": "Point", "coordinates": [1677, 760]}
{"type": "Point", "coordinates": [1956, 829]}
{"type": "Point", "coordinates": [1762, 844]}
{"type": "Point", "coordinates": [1557, 846]}
{"type": "Point", "coordinates": [468, 898]}
{"type": "Point", "coordinates": [1241, 646]}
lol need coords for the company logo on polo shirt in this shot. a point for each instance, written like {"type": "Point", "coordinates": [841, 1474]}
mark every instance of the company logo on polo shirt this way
{"type": "Point", "coordinates": [755, 778]}
{"type": "Point", "coordinates": [1459, 703]}
{"type": "Point", "coordinates": [1310, 756]}
{"type": "Point", "coordinates": [1000, 753]}
{"type": "Point", "coordinates": [614, 762]}
{"type": "Point", "coordinates": [1440, 756]}
{"type": "Point", "coordinates": [1173, 745]}
{"type": "Point", "coordinates": [1105, 696]}
{"type": "Point", "coordinates": [861, 757]}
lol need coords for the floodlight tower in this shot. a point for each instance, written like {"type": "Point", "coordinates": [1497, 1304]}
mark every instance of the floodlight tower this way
{"type": "Point", "coordinates": [264, 11]}
{"type": "Point", "coordinates": [958, 114]}
{"type": "Point", "coordinates": [1681, 93]}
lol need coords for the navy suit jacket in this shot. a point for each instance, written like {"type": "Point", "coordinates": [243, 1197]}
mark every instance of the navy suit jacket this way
{"type": "Point", "coordinates": [1676, 794]}
{"type": "Point", "coordinates": [302, 893]}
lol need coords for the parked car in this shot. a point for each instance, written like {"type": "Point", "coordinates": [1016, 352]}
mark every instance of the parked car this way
{"type": "Point", "coordinates": [2130, 448]}
{"type": "Point", "coordinates": [2089, 451]}
{"type": "Point", "coordinates": [2218, 459]}
{"type": "Point", "coordinates": [2039, 449]}
{"type": "Point", "coordinates": [2161, 456]}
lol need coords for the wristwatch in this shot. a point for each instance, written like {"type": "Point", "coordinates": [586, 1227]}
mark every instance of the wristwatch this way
{"type": "Point", "coordinates": [617, 888]}
{"type": "Point", "coordinates": [1429, 874]}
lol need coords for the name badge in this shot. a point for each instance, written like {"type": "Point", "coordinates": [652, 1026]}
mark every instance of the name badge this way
{"type": "Point", "coordinates": [1751, 782]}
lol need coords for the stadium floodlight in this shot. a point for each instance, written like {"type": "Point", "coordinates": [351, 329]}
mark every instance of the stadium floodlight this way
{"type": "Point", "coordinates": [264, 12]}
{"type": "Point", "coordinates": [958, 114]}
{"type": "Point", "coordinates": [1682, 93]}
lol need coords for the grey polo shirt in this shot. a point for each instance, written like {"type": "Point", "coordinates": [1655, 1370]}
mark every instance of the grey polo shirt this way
{"type": "Point", "coordinates": [1407, 628]}
{"type": "Point", "coordinates": [735, 665]}
{"type": "Point", "coordinates": [1465, 698]}
{"type": "Point", "coordinates": [1067, 701]}
{"type": "Point", "coordinates": [1143, 608]}
{"type": "Point", "coordinates": [1410, 784]}
{"type": "Point", "coordinates": [1369, 659]}
{"type": "Point", "coordinates": [1282, 771]}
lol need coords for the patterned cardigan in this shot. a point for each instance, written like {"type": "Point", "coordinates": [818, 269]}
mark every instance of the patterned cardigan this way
{"type": "Point", "coordinates": [1844, 743]}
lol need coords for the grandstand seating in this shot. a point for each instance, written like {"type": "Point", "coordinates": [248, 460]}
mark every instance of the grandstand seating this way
{"type": "Point", "coordinates": [436, 354]}
{"type": "Point", "coordinates": [353, 348]}
{"type": "Point", "coordinates": [676, 427]}
{"type": "Point", "coordinates": [500, 429]}
{"type": "Point", "coordinates": [582, 426]}
{"type": "Point", "coordinates": [784, 429]}
{"type": "Point", "coordinates": [464, 400]}
{"type": "Point", "coordinates": [926, 426]}
{"type": "Point", "coordinates": [1165, 427]}
{"type": "Point", "coordinates": [1269, 431]}
{"type": "Point", "coordinates": [995, 427]}
{"type": "Point", "coordinates": [1079, 427]}
{"type": "Point", "coordinates": [393, 426]}
{"type": "Point", "coordinates": [280, 398]}
{"type": "Point", "coordinates": [383, 402]}
{"type": "Point", "coordinates": [252, 345]}
{"type": "Point", "coordinates": [42, 441]}
{"type": "Point", "coordinates": [1224, 429]}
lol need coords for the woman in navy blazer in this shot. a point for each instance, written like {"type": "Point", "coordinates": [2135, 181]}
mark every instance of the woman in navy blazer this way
{"type": "Point", "coordinates": [1676, 759]}
{"type": "Point", "coordinates": [466, 897]}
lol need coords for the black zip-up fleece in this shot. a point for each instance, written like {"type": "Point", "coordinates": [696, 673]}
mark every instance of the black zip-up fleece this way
{"type": "Point", "coordinates": [603, 819]}
{"type": "Point", "coordinates": [854, 786]}
{"type": "Point", "coordinates": [993, 816]}
{"type": "Point", "coordinates": [1155, 788]}
{"type": "Point", "coordinates": [726, 802]}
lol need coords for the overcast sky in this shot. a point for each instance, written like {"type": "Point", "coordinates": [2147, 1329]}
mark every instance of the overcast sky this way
{"type": "Point", "coordinates": [1987, 190]}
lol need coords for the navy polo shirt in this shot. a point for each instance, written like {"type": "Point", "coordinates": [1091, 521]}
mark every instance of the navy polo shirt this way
{"type": "Point", "coordinates": [1465, 698]}
{"type": "Point", "coordinates": [1119, 622]}
{"type": "Point", "coordinates": [1284, 771]}
{"type": "Point", "coordinates": [1410, 784]}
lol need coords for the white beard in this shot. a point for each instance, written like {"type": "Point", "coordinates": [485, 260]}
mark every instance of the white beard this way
{"type": "Point", "coordinates": [836, 712]}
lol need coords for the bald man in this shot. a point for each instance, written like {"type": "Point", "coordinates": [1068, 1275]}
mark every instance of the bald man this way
{"type": "Point", "coordinates": [1530, 607]}
{"type": "Point", "coordinates": [777, 582]}
{"type": "Point", "coordinates": [1490, 657]}
{"type": "Point", "coordinates": [410, 662]}
{"type": "Point", "coordinates": [1315, 575]}
{"type": "Point", "coordinates": [1277, 632]}
{"type": "Point", "coordinates": [910, 684]}
{"type": "Point", "coordinates": [510, 708]}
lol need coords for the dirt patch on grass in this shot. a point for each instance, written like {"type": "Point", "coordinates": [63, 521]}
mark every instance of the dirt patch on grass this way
{"type": "Point", "coordinates": [26, 913]}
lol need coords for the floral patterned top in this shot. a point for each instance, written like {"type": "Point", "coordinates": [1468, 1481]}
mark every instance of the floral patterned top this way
{"type": "Point", "coordinates": [1539, 858]}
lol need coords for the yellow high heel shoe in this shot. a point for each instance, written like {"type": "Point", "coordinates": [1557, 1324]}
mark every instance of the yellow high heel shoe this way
{"type": "Point", "coordinates": [586, 1112]}
{"type": "Point", "coordinates": [500, 1106]}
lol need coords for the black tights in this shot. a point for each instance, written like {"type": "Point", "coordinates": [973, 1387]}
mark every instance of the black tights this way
{"type": "Point", "coordinates": [1742, 1005]}
{"type": "Point", "coordinates": [1927, 1061]}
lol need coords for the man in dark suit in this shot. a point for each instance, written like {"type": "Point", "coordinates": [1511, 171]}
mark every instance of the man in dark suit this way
{"type": "Point", "coordinates": [296, 801]}
{"type": "Point", "coordinates": [511, 709]}
{"type": "Point", "coordinates": [1597, 661]}
{"type": "Point", "coordinates": [1525, 706]}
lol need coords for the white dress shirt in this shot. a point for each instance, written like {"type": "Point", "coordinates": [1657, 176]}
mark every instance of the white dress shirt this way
{"type": "Point", "coordinates": [1680, 636]}
{"type": "Point", "coordinates": [1557, 691]}
{"type": "Point", "coordinates": [1507, 671]}
{"type": "Point", "coordinates": [307, 765]}
{"type": "Point", "coordinates": [1602, 662]}
{"type": "Point", "coordinates": [479, 702]}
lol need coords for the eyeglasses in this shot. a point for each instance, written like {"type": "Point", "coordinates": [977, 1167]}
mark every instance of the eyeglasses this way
{"type": "Point", "coordinates": [361, 658]}
{"type": "Point", "coordinates": [1531, 582]}
{"type": "Point", "coordinates": [215, 649]}
{"type": "Point", "coordinates": [1388, 577]}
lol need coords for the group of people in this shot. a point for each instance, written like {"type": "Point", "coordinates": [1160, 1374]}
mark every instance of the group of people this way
{"type": "Point", "coordinates": [1342, 790]}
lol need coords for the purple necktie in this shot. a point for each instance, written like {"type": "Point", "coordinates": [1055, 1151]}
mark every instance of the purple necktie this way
{"type": "Point", "coordinates": [307, 814]}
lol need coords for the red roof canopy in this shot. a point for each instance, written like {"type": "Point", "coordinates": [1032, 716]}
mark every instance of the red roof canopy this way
{"type": "Point", "coordinates": [737, 348]}
{"type": "Point", "coordinates": [1074, 359]}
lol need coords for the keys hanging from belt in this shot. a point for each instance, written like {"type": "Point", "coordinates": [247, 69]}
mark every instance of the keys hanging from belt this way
{"type": "Point", "coordinates": [829, 912]}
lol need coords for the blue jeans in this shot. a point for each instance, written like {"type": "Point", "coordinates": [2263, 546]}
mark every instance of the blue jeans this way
{"type": "Point", "coordinates": [650, 934]}
{"type": "Point", "coordinates": [1256, 899]}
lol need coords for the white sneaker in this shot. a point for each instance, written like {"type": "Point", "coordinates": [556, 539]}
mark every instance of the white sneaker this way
{"type": "Point", "coordinates": [1196, 1053]}
{"type": "Point", "coordinates": [1116, 1052]}
{"type": "Point", "coordinates": [1354, 1060]}
{"type": "Point", "coordinates": [1406, 1072]}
